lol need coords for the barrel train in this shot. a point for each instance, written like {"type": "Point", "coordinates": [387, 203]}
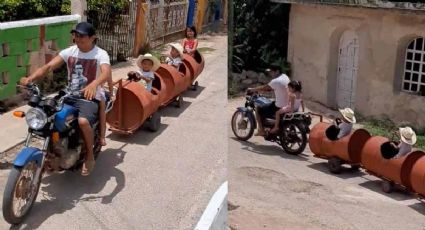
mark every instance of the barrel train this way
{"type": "Point", "coordinates": [134, 105]}
{"type": "Point", "coordinates": [361, 150]}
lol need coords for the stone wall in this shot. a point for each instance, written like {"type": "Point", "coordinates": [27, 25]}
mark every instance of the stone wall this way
{"type": "Point", "coordinates": [242, 81]}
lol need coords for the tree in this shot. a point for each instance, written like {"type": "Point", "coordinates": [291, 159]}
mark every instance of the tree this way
{"type": "Point", "coordinates": [260, 34]}
{"type": "Point", "coordinates": [13, 10]}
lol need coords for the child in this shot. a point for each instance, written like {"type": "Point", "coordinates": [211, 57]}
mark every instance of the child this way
{"type": "Point", "coordinates": [102, 113]}
{"type": "Point", "coordinates": [176, 54]}
{"type": "Point", "coordinates": [408, 139]}
{"type": "Point", "coordinates": [295, 101]}
{"type": "Point", "coordinates": [345, 124]}
{"type": "Point", "coordinates": [147, 65]}
{"type": "Point", "coordinates": [190, 43]}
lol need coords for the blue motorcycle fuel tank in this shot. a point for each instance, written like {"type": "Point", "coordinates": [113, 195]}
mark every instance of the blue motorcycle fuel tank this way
{"type": "Point", "coordinates": [261, 101]}
{"type": "Point", "coordinates": [68, 112]}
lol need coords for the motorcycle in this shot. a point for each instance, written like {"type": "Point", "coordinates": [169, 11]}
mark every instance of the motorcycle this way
{"type": "Point", "coordinates": [293, 128]}
{"type": "Point", "coordinates": [55, 122]}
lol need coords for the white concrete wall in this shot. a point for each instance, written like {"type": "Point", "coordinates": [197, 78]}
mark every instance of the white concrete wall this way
{"type": "Point", "coordinates": [215, 215]}
{"type": "Point", "coordinates": [314, 35]}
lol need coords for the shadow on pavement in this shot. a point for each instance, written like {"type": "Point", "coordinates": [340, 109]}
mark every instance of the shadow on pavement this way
{"type": "Point", "coordinates": [172, 111]}
{"type": "Point", "coordinates": [270, 150]}
{"type": "Point", "coordinates": [142, 136]}
{"type": "Point", "coordinates": [193, 93]}
{"type": "Point", "coordinates": [346, 173]}
{"type": "Point", "coordinates": [398, 194]}
{"type": "Point", "coordinates": [419, 207]}
{"type": "Point", "coordinates": [61, 192]}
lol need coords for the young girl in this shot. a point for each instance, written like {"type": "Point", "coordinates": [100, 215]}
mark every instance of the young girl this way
{"type": "Point", "coordinates": [190, 43]}
{"type": "Point", "coordinates": [295, 101]}
{"type": "Point", "coordinates": [176, 54]}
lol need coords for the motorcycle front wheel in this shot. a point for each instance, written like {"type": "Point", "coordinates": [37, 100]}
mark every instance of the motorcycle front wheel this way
{"type": "Point", "coordinates": [20, 193]}
{"type": "Point", "coordinates": [242, 125]}
{"type": "Point", "coordinates": [293, 138]}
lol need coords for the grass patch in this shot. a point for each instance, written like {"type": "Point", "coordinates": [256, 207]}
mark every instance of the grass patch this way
{"type": "Point", "coordinates": [205, 50]}
{"type": "Point", "coordinates": [385, 127]}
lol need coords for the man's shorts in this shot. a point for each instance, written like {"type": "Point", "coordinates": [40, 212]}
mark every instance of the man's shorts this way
{"type": "Point", "coordinates": [268, 110]}
{"type": "Point", "coordinates": [86, 109]}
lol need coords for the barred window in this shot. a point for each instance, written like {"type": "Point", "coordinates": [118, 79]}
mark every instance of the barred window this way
{"type": "Point", "coordinates": [414, 68]}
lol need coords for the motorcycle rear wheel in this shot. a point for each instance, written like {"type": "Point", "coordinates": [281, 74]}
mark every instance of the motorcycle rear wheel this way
{"type": "Point", "coordinates": [293, 138]}
{"type": "Point", "coordinates": [244, 128]}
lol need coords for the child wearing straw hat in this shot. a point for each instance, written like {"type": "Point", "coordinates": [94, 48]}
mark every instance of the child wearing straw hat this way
{"type": "Point", "coordinates": [345, 124]}
{"type": "Point", "coordinates": [176, 54]}
{"type": "Point", "coordinates": [147, 64]}
{"type": "Point", "coordinates": [408, 139]}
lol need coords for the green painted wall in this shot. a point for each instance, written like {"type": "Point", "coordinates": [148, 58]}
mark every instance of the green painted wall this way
{"type": "Point", "coordinates": [16, 46]}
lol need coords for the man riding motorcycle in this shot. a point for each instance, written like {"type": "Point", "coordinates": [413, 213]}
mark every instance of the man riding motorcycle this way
{"type": "Point", "coordinates": [279, 85]}
{"type": "Point", "coordinates": [88, 68]}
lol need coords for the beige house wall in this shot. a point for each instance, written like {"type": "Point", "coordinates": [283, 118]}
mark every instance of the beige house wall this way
{"type": "Point", "coordinates": [383, 35]}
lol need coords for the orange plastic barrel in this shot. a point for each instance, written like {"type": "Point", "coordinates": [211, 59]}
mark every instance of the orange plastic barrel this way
{"type": "Point", "coordinates": [200, 61]}
{"type": "Point", "coordinates": [317, 134]}
{"type": "Point", "coordinates": [415, 173]}
{"type": "Point", "coordinates": [192, 65]}
{"type": "Point", "coordinates": [165, 85]}
{"type": "Point", "coordinates": [184, 69]}
{"type": "Point", "coordinates": [390, 169]}
{"type": "Point", "coordinates": [347, 148]}
{"type": "Point", "coordinates": [133, 105]}
{"type": "Point", "coordinates": [161, 85]}
{"type": "Point", "coordinates": [172, 77]}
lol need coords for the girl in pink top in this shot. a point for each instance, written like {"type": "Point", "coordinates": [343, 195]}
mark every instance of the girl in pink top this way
{"type": "Point", "coordinates": [190, 43]}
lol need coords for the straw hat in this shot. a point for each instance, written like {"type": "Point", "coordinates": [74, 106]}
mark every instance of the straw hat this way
{"type": "Point", "coordinates": [348, 115]}
{"type": "Point", "coordinates": [178, 47]}
{"type": "Point", "coordinates": [148, 56]}
{"type": "Point", "coordinates": [407, 135]}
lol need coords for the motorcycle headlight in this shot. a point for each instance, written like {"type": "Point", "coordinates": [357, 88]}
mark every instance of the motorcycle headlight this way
{"type": "Point", "coordinates": [36, 118]}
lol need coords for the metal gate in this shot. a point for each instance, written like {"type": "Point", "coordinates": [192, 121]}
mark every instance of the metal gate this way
{"type": "Point", "coordinates": [115, 28]}
{"type": "Point", "coordinates": [165, 17]}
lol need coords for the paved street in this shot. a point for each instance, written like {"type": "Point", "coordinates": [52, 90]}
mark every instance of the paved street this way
{"type": "Point", "coordinates": [269, 189]}
{"type": "Point", "coordinates": [160, 180]}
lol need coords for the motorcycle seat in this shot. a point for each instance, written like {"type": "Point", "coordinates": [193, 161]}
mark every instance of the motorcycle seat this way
{"type": "Point", "coordinates": [269, 122]}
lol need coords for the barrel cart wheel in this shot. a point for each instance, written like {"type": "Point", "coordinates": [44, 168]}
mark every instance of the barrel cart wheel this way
{"type": "Point", "coordinates": [195, 86]}
{"type": "Point", "coordinates": [154, 122]}
{"type": "Point", "coordinates": [334, 165]}
{"type": "Point", "coordinates": [387, 186]}
{"type": "Point", "coordinates": [179, 102]}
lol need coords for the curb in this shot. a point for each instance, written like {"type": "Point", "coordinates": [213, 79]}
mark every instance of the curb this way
{"type": "Point", "coordinates": [215, 215]}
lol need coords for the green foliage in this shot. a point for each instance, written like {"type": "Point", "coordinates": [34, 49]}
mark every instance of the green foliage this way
{"type": "Point", "coordinates": [385, 127]}
{"type": "Point", "coordinates": [260, 35]}
{"type": "Point", "coordinates": [108, 11]}
{"type": "Point", "coordinates": [113, 5]}
{"type": "Point", "coordinates": [13, 10]}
